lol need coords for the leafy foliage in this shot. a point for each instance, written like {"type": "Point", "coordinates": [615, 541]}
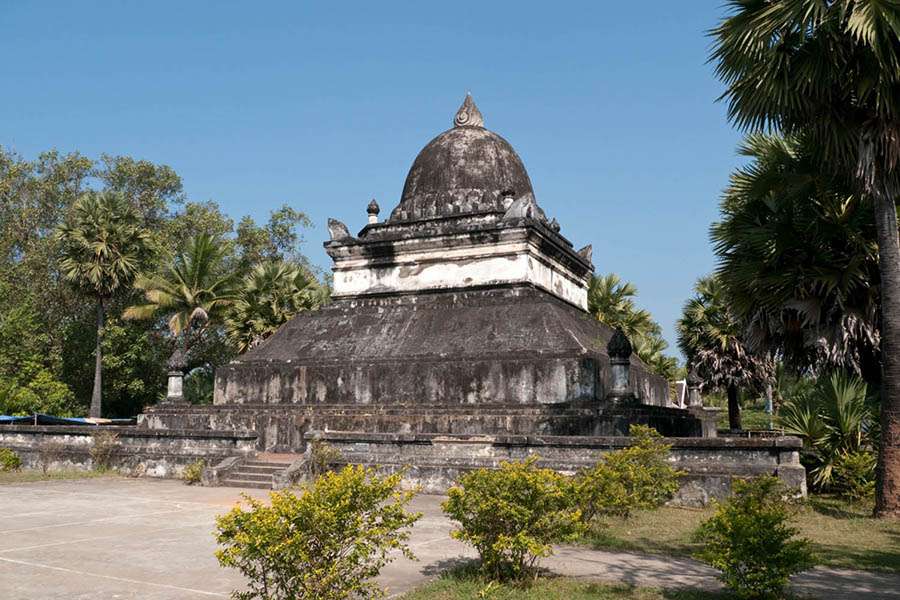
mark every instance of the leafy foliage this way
{"type": "Point", "coordinates": [193, 290]}
{"type": "Point", "coordinates": [9, 460]}
{"type": "Point", "coordinates": [325, 542]}
{"type": "Point", "coordinates": [711, 337]}
{"type": "Point", "coordinates": [512, 515]}
{"type": "Point", "coordinates": [103, 447]}
{"type": "Point", "coordinates": [271, 295]}
{"type": "Point", "coordinates": [102, 244]}
{"type": "Point", "coordinates": [322, 458]}
{"type": "Point", "coordinates": [638, 477]}
{"type": "Point", "coordinates": [834, 420]}
{"type": "Point", "coordinates": [829, 72]}
{"type": "Point", "coordinates": [611, 301]}
{"type": "Point", "coordinates": [749, 540]}
{"type": "Point", "coordinates": [193, 472]}
{"type": "Point", "coordinates": [854, 474]}
{"type": "Point", "coordinates": [798, 255]}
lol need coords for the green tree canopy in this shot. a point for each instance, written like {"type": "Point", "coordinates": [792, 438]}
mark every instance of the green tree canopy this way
{"type": "Point", "coordinates": [102, 245]}
{"type": "Point", "coordinates": [710, 336]}
{"type": "Point", "coordinates": [830, 72]}
{"type": "Point", "coordinates": [798, 256]}
{"type": "Point", "coordinates": [611, 301]}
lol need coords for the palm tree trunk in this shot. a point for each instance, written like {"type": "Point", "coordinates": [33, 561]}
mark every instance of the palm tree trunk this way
{"type": "Point", "coordinates": [887, 494]}
{"type": "Point", "coordinates": [96, 395]}
{"type": "Point", "coordinates": [734, 408]}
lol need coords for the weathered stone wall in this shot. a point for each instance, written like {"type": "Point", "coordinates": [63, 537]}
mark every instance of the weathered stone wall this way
{"type": "Point", "coordinates": [436, 461]}
{"type": "Point", "coordinates": [137, 452]}
{"type": "Point", "coordinates": [281, 428]}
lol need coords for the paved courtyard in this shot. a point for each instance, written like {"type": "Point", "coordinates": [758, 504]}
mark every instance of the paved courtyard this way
{"type": "Point", "coordinates": [147, 539]}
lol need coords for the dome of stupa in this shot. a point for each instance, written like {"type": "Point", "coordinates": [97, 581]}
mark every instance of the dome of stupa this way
{"type": "Point", "coordinates": [465, 170]}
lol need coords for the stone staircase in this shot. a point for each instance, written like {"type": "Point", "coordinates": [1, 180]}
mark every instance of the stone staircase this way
{"type": "Point", "coordinates": [259, 471]}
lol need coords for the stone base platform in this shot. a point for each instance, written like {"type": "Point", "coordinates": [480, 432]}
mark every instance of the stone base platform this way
{"type": "Point", "coordinates": [138, 452]}
{"type": "Point", "coordinates": [435, 462]}
{"type": "Point", "coordinates": [281, 428]}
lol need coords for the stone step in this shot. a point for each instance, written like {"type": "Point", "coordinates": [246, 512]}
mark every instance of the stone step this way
{"type": "Point", "coordinates": [246, 476]}
{"type": "Point", "coordinates": [264, 469]}
{"type": "Point", "coordinates": [267, 466]}
{"type": "Point", "coordinates": [243, 483]}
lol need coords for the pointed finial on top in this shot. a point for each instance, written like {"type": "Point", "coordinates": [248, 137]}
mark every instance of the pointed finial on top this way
{"type": "Point", "coordinates": [468, 114]}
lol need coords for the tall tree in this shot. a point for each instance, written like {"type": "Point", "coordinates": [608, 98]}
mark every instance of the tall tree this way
{"type": "Point", "coordinates": [611, 301]}
{"type": "Point", "coordinates": [798, 255]}
{"type": "Point", "coordinates": [193, 291]}
{"type": "Point", "coordinates": [102, 245]}
{"type": "Point", "coordinates": [274, 292]}
{"type": "Point", "coordinates": [709, 335]}
{"type": "Point", "coordinates": [830, 70]}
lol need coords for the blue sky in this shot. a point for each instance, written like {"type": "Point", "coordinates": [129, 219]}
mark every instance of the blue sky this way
{"type": "Point", "coordinates": [611, 105]}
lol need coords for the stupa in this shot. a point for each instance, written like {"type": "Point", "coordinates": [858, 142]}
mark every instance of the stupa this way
{"type": "Point", "coordinates": [465, 311]}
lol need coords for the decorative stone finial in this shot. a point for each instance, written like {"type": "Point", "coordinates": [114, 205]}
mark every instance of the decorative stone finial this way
{"type": "Point", "coordinates": [338, 230]}
{"type": "Point", "coordinates": [587, 252]}
{"type": "Point", "coordinates": [619, 346]}
{"type": "Point", "coordinates": [693, 379]}
{"type": "Point", "coordinates": [468, 114]}
{"type": "Point", "coordinates": [554, 225]}
{"type": "Point", "coordinates": [178, 360]}
{"type": "Point", "coordinates": [373, 209]}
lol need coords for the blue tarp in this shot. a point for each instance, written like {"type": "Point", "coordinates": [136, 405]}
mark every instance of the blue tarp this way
{"type": "Point", "coordinates": [7, 419]}
{"type": "Point", "coordinates": [43, 420]}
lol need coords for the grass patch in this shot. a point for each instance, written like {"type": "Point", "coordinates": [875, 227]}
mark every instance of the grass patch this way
{"type": "Point", "coordinates": [29, 475]}
{"type": "Point", "coordinates": [843, 535]}
{"type": "Point", "coordinates": [463, 584]}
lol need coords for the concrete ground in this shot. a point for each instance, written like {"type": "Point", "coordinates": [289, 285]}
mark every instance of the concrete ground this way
{"type": "Point", "coordinates": [149, 539]}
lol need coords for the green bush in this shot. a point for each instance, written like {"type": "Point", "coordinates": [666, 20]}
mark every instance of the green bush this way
{"type": "Point", "coordinates": [193, 472]}
{"type": "Point", "coordinates": [512, 515]}
{"type": "Point", "coordinates": [322, 458]}
{"type": "Point", "coordinates": [103, 448]}
{"type": "Point", "coordinates": [750, 542]}
{"type": "Point", "coordinates": [854, 475]}
{"type": "Point", "coordinates": [833, 418]}
{"type": "Point", "coordinates": [49, 452]}
{"type": "Point", "coordinates": [9, 460]}
{"type": "Point", "coordinates": [327, 541]}
{"type": "Point", "coordinates": [633, 478]}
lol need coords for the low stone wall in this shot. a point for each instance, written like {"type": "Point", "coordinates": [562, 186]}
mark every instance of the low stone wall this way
{"type": "Point", "coordinates": [282, 430]}
{"type": "Point", "coordinates": [435, 462]}
{"type": "Point", "coordinates": [138, 452]}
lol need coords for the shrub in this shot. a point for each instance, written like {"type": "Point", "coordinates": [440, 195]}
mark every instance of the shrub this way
{"type": "Point", "coordinates": [9, 460]}
{"type": "Point", "coordinates": [322, 458]}
{"type": "Point", "coordinates": [103, 447]}
{"type": "Point", "coordinates": [749, 540]}
{"type": "Point", "coordinates": [633, 478]}
{"type": "Point", "coordinates": [327, 541]}
{"type": "Point", "coordinates": [193, 472]}
{"type": "Point", "coordinates": [49, 452]}
{"type": "Point", "coordinates": [854, 475]}
{"type": "Point", "coordinates": [512, 515]}
{"type": "Point", "coordinates": [833, 418]}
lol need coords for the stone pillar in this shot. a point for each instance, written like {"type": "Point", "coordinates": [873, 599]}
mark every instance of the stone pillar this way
{"type": "Point", "coordinates": [177, 365]}
{"type": "Point", "coordinates": [619, 351]}
{"type": "Point", "coordinates": [693, 389]}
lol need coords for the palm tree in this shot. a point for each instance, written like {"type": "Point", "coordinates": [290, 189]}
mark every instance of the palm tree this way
{"type": "Point", "coordinates": [611, 301]}
{"type": "Point", "coordinates": [274, 292]}
{"type": "Point", "coordinates": [709, 335]}
{"type": "Point", "coordinates": [193, 291]}
{"type": "Point", "coordinates": [830, 71]}
{"type": "Point", "coordinates": [798, 256]}
{"type": "Point", "coordinates": [102, 245]}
